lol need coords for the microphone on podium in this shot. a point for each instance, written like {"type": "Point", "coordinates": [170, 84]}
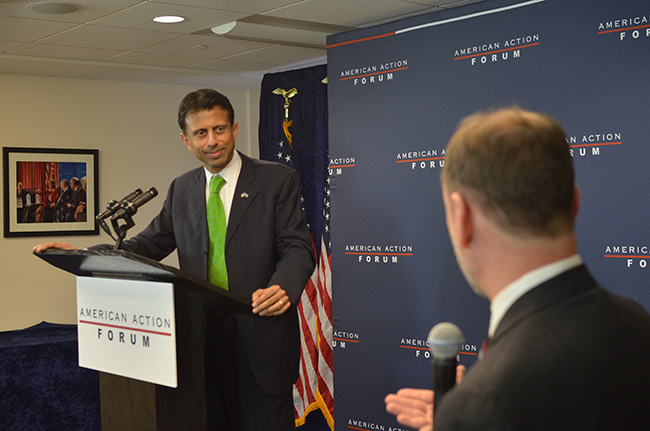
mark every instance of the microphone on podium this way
{"type": "Point", "coordinates": [114, 205]}
{"type": "Point", "coordinates": [128, 208]}
{"type": "Point", "coordinates": [445, 340]}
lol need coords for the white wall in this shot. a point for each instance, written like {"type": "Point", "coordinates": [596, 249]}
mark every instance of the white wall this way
{"type": "Point", "coordinates": [133, 125]}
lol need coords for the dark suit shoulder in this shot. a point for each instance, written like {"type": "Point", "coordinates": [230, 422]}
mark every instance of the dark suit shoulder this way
{"type": "Point", "coordinates": [564, 340]}
{"type": "Point", "coordinates": [265, 166]}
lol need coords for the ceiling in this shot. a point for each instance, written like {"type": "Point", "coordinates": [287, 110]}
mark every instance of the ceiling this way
{"type": "Point", "coordinates": [117, 39]}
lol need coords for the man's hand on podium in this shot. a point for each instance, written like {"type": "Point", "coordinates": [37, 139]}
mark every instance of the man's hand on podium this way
{"type": "Point", "coordinates": [57, 245]}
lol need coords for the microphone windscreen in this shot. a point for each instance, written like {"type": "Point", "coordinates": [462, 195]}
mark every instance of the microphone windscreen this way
{"type": "Point", "coordinates": [445, 340]}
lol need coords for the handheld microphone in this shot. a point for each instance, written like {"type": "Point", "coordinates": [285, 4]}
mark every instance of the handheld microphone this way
{"type": "Point", "coordinates": [114, 205]}
{"type": "Point", "coordinates": [445, 340]}
{"type": "Point", "coordinates": [128, 208]}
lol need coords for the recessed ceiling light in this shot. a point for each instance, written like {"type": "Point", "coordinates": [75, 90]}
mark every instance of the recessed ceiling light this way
{"type": "Point", "coordinates": [169, 19]}
{"type": "Point", "coordinates": [53, 8]}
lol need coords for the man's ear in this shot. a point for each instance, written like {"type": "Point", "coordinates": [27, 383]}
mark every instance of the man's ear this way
{"type": "Point", "coordinates": [462, 214]}
{"type": "Point", "coordinates": [186, 142]}
{"type": "Point", "coordinates": [235, 129]}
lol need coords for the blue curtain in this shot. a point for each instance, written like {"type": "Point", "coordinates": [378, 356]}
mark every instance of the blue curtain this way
{"type": "Point", "coordinates": [308, 112]}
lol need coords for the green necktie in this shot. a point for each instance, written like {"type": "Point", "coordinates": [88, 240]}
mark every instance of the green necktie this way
{"type": "Point", "coordinates": [217, 273]}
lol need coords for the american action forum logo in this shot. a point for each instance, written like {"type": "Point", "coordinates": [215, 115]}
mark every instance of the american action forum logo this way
{"type": "Point", "coordinates": [374, 73]}
{"type": "Point", "coordinates": [378, 254]}
{"type": "Point", "coordinates": [338, 164]}
{"type": "Point", "coordinates": [626, 28]}
{"type": "Point", "coordinates": [422, 349]}
{"type": "Point", "coordinates": [496, 51]}
{"type": "Point", "coordinates": [343, 339]}
{"type": "Point", "coordinates": [422, 159]}
{"type": "Point", "coordinates": [633, 256]}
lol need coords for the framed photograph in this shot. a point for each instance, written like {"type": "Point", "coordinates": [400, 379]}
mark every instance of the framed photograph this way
{"type": "Point", "coordinates": [50, 191]}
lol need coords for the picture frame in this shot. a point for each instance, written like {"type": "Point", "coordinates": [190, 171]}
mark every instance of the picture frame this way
{"type": "Point", "coordinates": [50, 191]}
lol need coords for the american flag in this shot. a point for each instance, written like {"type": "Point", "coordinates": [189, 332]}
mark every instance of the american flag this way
{"type": "Point", "coordinates": [314, 389]}
{"type": "Point", "coordinates": [51, 173]}
{"type": "Point", "coordinates": [297, 136]}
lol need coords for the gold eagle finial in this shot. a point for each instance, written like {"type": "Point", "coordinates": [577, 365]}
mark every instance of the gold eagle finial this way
{"type": "Point", "coordinates": [287, 95]}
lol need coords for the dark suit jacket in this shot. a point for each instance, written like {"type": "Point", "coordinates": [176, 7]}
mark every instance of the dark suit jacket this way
{"type": "Point", "coordinates": [78, 196]}
{"type": "Point", "coordinates": [568, 355]}
{"type": "Point", "coordinates": [65, 197]}
{"type": "Point", "coordinates": [267, 243]}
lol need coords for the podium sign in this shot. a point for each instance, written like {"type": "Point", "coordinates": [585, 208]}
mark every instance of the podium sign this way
{"type": "Point", "coordinates": [130, 309]}
{"type": "Point", "coordinates": [127, 328]}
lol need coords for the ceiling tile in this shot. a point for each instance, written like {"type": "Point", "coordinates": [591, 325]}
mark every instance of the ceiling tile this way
{"type": "Point", "coordinates": [150, 59]}
{"type": "Point", "coordinates": [29, 30]}
{"type": "Point", "coordinates": [280, 54]}
{"type": "Point", "coordinates": [65, 52]}
{"type": "Point", "coordinates": [346, 12]}
{"type": "Point", "coordinates": [6, 45]}
{"type": "Point", "coordinates": [93, 36]}
{"type": "Point", "coordinates": [246, 6]}
{"type": "Point", "coordinates": [233, 66]}
{"type": "Point", "coordinates": [215, 47]}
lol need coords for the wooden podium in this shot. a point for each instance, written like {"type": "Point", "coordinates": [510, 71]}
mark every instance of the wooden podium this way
{"type": "Point", "coordinates": [129, 404]}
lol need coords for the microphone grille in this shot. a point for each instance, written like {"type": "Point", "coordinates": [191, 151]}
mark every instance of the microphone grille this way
{"type": "Point", "coordinates": [445, 340]}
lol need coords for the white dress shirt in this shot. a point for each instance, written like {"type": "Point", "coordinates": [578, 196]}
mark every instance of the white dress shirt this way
{"type": "Point", "coordinates": [515, 290]}
{"type": "Point", "coordinates": [230, 174]}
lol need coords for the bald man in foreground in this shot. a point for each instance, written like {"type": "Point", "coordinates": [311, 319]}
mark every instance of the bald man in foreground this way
{"type": "Point", "coordinates": [563, 353]}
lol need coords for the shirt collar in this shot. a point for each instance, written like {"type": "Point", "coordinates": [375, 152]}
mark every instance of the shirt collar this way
{"type": "Point", "coordinates": [230, 173]}
{"type": "Point", "coordinates": [515, 290]}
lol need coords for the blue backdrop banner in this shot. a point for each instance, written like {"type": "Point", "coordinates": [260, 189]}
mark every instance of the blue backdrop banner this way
{"type": "Point", "coordinates": [396, 94]}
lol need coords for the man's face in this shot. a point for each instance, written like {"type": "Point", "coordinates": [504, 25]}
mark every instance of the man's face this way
{"type": "Point", "coordinates": [19, 186]}
{"type": "Point", "coordinates": [211, 137]}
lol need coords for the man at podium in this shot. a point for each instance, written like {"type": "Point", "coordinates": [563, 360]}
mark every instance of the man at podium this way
{"type": "Point", "coordinates": [248, 235]}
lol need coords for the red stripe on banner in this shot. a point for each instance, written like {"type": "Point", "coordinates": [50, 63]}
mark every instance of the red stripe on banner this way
{"type": "Point", "coordinates": [425, 348]}
{"type": "Point", "coordinates": [421, 160]}
{"type": "Point", "coordinates": [345, 339]}
{"type": "Point", "coordinates": [379, 254]}
{"type": "Point", "coordinates": [623, 29]}
{"type": "Point", "coordinates": [374, 73]}
{"type": "Point", "coordinates": [494, 52]}
{"type": "Point", "coordinates": [125, 327]}
{"type": "Point", "coordinates": [361, 40]}
{"type": "Point", "coordinates": [595, 145]}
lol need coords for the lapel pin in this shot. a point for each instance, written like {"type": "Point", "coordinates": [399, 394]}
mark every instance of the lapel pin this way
{"type": "Point", "coordinates": [244, 195]}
